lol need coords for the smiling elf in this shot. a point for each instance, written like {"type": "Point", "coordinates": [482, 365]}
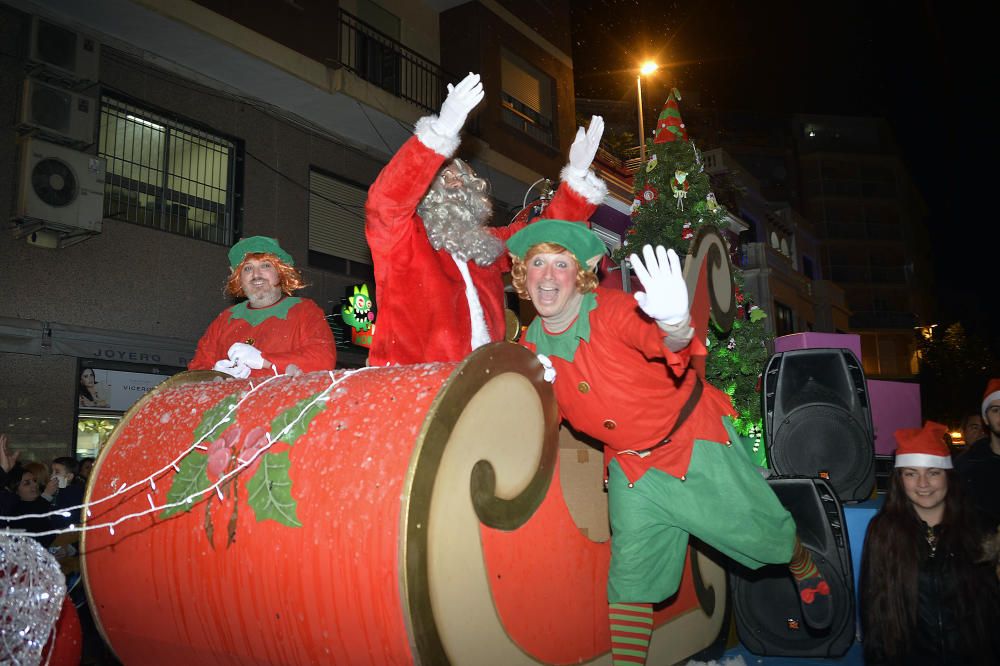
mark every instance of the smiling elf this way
{"type": "Point", "coordinates": [621, 373]}
{"type": "Point", "coordinates": [271, 331]}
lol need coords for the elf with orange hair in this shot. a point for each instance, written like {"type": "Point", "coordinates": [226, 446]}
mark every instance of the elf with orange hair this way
{"type": "Point", "coordinates": [271, 331]}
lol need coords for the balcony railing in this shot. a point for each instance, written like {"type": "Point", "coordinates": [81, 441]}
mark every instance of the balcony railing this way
{"type": "Point", "coordinates": [518, 114]}
{"type": "Point", "coordinates": [384, 62]}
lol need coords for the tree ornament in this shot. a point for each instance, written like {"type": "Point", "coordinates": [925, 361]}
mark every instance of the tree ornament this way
{"type": "Point", "coordinates": [635, 206]}
{"type": "Point", "coordinates": [649, 194]}
{"type": "Point", "coordinates": [740, 312]}
{"type": "Point", "coordinates": [670, 126]}
{"type": "Point", "coordinates": [713, 205]}
{"type": "Point", "coordinates": [756, 314]}
{"type": "Point", "coordinates": [651, 164]}
{"type": "Point", "coordinates": [687, 233]}
{"type": "Point", "coordinates": [731, 345]}
{"type": "Point", "coordinates": [679, 186]}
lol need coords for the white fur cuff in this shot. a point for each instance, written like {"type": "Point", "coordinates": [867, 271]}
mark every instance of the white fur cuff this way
{"type": "Point", "coordinates": [589, 186]}
{"type": "Point", "coordinates": [677, 336]}
{"type": "Point", "coordinates": [442, 144]}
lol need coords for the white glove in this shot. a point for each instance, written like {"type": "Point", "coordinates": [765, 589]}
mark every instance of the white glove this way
{"type": "Point", "coordinates": [461, 99]}
{"type": "Point", "coordinates": [548, 373]}
{"type": "Point", "coordinates": [246, 354]}
{"type": "Point", "coordinates": [666, 295]}
{"type": "Point", "coordinates": [584, 148]}
{"type": "Point", "coordinates": [238, 370]}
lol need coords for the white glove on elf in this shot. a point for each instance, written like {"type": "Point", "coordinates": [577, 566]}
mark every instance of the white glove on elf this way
{"type": "Point", "coordinates": [248, 355]}
{"type": "Point", "coordinates": [238, 370]}
{"type": "Point", "coordinates": [666, 297]}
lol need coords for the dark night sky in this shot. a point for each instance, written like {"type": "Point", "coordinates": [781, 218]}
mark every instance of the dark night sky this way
{"type": "Point", "coordinates": [918, 64]}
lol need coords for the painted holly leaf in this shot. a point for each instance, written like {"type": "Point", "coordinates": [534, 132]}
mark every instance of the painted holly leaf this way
{"type": "Point", "coordinates": [297, 419]}
{"type": "Point", "coordinates": [270, 491]}
{"type": "Point", "coordinates": [756, 314]}
{"type": "Point", "coordinates": [189, 481]}
{"type": "Point", "coordinates": [213, 417]}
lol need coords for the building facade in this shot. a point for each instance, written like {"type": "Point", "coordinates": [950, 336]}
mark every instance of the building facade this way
{"type": "Point", "coordinates": [872, 226]}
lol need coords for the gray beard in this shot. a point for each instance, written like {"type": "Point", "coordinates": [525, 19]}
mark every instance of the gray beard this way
{"type": "Point", "coordinates": [455, 221]}
{"type": "Point", "coordinates": [263, 299]}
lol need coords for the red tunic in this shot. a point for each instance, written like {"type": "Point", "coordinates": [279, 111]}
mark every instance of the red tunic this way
{"type": "Point", "coordinates": [302, 337]}
{"type": "Point", "coordinates": [625, 388]}
{"type": "Point", "coordinates": [423, 313]}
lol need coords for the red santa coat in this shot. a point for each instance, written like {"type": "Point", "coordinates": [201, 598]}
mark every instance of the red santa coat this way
{"type": "Point", "coordinates": [626, 389]}
{"type": "Point", "coordinates": [423, 312]}
{"type": "Point", "coordinates": [296, 332]}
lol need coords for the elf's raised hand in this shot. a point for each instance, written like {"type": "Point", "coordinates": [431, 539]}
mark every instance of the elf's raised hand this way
{"type": "Point", "coordinates": [584, 148]}
{"type": "Point", "coordinates": [665, 298]}
{"type": "Point", "coordinates": [462, 99]}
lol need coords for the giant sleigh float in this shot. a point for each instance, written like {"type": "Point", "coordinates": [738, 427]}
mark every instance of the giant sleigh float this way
{"type": "Point", "coordinates": [429, 514]}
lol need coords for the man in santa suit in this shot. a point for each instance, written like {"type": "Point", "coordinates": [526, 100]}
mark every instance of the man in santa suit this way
{"type": "Point", "coordinates": [438, 265]}
{"type": "Point", "coordinates": [271, 332]}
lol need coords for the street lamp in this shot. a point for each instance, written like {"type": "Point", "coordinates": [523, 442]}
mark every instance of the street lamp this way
{"type": "Point", "coordinates": [646, 68]}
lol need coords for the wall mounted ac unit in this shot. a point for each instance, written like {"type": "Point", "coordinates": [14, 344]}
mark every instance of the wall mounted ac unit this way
{"type": "Point", "coordinates": [60, 189]}
{"type": "Point", "coordinates": [58, 113]}
{"type": "Point", "coordinates": [64, 53]}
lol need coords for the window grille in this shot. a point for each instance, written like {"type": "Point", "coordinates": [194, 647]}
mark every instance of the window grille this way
{"type": "Point", "coordinates": [337, 218]}
{"type": "Point", "coordinates": [167, 175]}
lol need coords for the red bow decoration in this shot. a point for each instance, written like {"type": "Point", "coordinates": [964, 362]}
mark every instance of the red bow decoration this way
{"type": "Point", "coordinates": [809, 594]}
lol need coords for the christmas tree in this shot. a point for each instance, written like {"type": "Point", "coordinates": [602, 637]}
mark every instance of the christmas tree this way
{"type": "Point", "coordinates": [673, 199]}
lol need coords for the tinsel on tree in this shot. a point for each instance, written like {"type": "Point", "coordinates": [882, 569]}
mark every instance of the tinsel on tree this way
{"type": "Point", "coordinates": [673, 199]}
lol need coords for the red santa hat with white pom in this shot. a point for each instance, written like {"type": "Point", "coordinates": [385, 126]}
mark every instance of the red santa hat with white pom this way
{"type": "Point", "coordinates": [923, 447]}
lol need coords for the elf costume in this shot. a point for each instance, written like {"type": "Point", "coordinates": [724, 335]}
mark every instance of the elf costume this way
{"type": "Point", "coordinates": [431, 306]}
{"type": "Point", "coordinates": [625, 379]}
{"type": "Point", "coordinates": [292, 331]}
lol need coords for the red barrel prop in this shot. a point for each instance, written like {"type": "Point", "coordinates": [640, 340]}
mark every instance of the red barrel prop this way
{"type": "Point", "coordinates": [384, 516]}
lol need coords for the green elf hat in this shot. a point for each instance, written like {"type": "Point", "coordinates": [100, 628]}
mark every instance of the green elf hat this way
{"type": "Point", "coordinates": [257, 244]}
{"type": "Point", "coordinates": [576, 237]}
{"type": "Point", "coordinates": [670, 126]}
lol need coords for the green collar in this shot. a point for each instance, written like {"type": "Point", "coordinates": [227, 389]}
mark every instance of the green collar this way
{"type": "Point", "coordinates": [256, 316]}
{"type": "Point", "coordinates": [563, 344]}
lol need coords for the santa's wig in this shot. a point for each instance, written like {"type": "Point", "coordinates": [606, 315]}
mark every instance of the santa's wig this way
{"type": "Point", "coordinates": [290, 279]}
{"type": "Point", "coordinates": [456, 218]}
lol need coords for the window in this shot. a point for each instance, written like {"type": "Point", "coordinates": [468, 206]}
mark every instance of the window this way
{"type": "Point", "coordinates": [526, 98]}
{"type": "Point", "coordinates": [782, 319]}
{"type": "Point", "coordinates": [166, 174]}
{"type": "Point", "coordinates": [376, 50]}
{"type": "Point", "coordinates": [807, 267]}
{"type": "Point", "coordinates": [337, 225]}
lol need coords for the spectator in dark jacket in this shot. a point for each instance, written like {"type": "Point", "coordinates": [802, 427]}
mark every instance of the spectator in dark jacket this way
{"type": "Point", "coordinates": [979, 466]}
{"type": "Point", "coordinates": [927, 596]}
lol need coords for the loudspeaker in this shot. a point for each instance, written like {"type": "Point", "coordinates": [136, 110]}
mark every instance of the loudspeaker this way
{"type": "Point", "coordinates": [766, 601]}
{"type": "Point", "coordinates": [817, 419]}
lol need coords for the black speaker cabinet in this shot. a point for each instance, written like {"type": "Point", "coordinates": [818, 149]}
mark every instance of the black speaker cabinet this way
{"type": "Point", "coordinates": [766, 602]}
{"type": "Point", "coordinates": [817, 419]}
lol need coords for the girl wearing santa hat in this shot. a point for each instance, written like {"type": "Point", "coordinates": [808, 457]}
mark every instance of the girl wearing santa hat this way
{"type": "Point", "coordinates": [926, 598]}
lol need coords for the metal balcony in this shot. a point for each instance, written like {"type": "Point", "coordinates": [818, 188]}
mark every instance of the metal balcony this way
{"type": "Point", "coordinates": [384, 62]}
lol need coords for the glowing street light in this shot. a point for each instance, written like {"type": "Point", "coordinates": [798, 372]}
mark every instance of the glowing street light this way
{"type": "Point", "coordinates": [645, 69]}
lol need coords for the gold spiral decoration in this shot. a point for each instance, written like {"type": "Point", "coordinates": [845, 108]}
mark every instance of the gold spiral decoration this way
{"type": "Point", "coordinates": [709, 245]}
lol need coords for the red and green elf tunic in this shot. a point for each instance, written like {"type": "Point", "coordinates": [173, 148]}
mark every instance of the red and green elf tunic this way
{"type": "Point", "coordinates": [617, 382]}
{"type": "Point", "coordinates": [292, 331]}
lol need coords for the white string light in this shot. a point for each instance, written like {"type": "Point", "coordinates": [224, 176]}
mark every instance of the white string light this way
{"type": "Point", "coordinates": [322, 396]}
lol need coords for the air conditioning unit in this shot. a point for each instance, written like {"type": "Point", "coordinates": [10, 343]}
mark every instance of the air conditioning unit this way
{"type": "Point", "coordinates": [58, 113]}
{"type": "Point", "coordinates": [60, 189]}
{"type": "Point", "coordinates": [63, 53]}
